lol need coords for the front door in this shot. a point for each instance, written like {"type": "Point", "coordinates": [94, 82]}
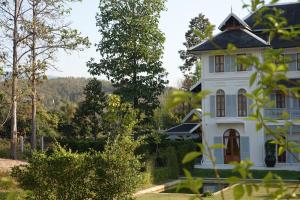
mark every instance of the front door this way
{"type": "Point", "coordinates": [231, 140]}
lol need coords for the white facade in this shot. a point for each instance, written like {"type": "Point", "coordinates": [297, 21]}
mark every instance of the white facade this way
{"type": "Point", "coordinates": [251, 141]}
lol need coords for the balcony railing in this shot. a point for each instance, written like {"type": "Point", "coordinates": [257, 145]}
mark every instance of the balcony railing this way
{"type": "Point", "coordinates": [277, 113]}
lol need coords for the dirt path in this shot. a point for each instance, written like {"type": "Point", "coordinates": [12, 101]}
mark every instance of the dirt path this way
{"type": "Point", "coordinates": [7, 164]}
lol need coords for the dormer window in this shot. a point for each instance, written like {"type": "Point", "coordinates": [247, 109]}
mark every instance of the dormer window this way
{"type": "Point", "coordinates": [219, 63]}
{"type": "Point", "coordinates": [232, 21]}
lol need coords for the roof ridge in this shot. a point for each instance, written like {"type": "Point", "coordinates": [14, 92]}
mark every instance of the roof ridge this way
{"type": "Point", "coordinates": [255, 36]}
{"type": "Point", "coordinates": [237, 18]}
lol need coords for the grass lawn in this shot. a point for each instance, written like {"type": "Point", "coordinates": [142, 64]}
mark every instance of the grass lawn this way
{"type": "Point", "coordinates": [257, 174]}
{"type": "Point", "coordinates": [259, 195]}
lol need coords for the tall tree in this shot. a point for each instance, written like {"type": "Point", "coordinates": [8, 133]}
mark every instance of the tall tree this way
{"type": "Point", "coordinates": [48, 32]}
{"type": "Point", "coordinates": [11, 13]}
{"type": "Point", "coordinates": [131, 47]}
{"type": "Point", "coordinates": [89, 113]}
{"type": "Point", "coordinates": [198, 26]}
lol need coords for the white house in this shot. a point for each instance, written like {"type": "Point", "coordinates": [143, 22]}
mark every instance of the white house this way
{"type": "Point", "coordinates": [228, 82]}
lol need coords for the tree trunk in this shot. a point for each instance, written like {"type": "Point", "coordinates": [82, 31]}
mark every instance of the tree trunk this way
{"type": "Point", "coordinates": [14, 129]}
{"type": "Point", "coordinates": [33, 80]}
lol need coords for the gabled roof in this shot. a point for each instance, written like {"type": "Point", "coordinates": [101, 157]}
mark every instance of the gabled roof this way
{"type": "Point", "coordinates": [291, 12]}
{"type": "Point", "coordinates": [241, 38]}
{"type": "Point", "coordinates": [233, 18]}
{"type": "Point", "coordinates": [182, 129]}
{"type": "Point", "coordinates": [196, 111]}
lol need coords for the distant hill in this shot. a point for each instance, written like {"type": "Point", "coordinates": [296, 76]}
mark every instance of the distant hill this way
{"type": "Point", "coordinates": [56, 91]}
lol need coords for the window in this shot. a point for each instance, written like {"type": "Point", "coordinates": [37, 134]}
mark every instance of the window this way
{"type": "Point", "coordinates": [241, 67]}
{"type": "Point", "coordinates": [219, 63]}
{"type": "Point", "coordinates": [298, 61]}
{"type": "Point", "coordinates": [242, 103]}
{"type": "Point", "coordinates": [220, 103]}
{"type": "Point", "coordinates": [280, 100]}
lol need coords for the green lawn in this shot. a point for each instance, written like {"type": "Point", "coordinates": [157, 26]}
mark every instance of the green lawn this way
{"type": "Point", "coordinates": [259, 195]}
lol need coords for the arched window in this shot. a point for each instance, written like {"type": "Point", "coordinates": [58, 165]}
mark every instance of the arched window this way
{"type": "Point", "coordinates": [242, 103]}
{"type": "Point", "coordinates": [220, 99]}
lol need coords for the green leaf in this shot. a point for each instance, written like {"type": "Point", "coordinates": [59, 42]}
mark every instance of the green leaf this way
{"type": "Point", "coordinates": [191, 156]}
{"type": "Point", "coordinates": [281, 150]}
{"type": "Point", "coordinates": [249, 189]}
{"type": "Point", "coordinates": [217, 146]}
{"type": "Point", "coordinates": [233, 180]}
{"type": "Point", "coordinates": [252, 78]}
{"type": "Point", "coordinates": [238, 192]}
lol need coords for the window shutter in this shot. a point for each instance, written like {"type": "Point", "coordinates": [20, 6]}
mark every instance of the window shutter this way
{"type": "Point", "coordinates": [291, 156]}
{"type": "Point", "coordinates": [233, 64]}
{"type": "Point", "coordinates": [231, 104]}
{"type": "Point", "coordinates": [292, 59]}
{"type": "Point", "coordinates": [212, 102]}
{"type": "Point", "coordinates": [273, 97]}
{"type": "Point", "coordinates": [294, 102]}
{"type": "Point", "coordinates": [227, 63]}
{"type": "Point", "coordinates": [245, 148]}
{"type": "Point", "coordinates": [211, 64]}
{"type": "Point", "coordinates": [219, 152]}
{"type": "Point", "coordinates": [288, 102]}
{"type": "Point", "coordinates": [249, 110]}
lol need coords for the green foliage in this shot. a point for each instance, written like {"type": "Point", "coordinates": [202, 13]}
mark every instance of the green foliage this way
{"type": "Point", "coordinates": [61, 175]}
{"type": "Point", "coordinates": [88, 117]}
{"type": "Point", "coordinates": [117, 170]}
{"type": "Point", "coordinates": [81, 146]}
{"type": "Point", "coordinates": [54, 96]}
{"type": "Point", "coordinates": [202, 26]}
{"type": "Point", "coordinates": [131, 48]}
{"type": "Point", "coordinates": [111, 174]}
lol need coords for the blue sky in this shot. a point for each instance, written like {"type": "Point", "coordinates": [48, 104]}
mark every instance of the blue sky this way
{"type": "Point", "coordinates": [174, 23]}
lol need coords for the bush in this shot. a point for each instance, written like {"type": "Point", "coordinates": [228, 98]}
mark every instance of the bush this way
{"type": "Point", "coordinates": [61, 175]}
{"type": "Point", "coordinates": [111, 174]}
{"type": "Point", "coordinates": [82, 146]}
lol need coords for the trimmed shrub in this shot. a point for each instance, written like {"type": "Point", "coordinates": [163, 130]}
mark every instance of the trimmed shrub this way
{"type": "Point", "coordinates": [61, 175]}
{"type": "Point", "coordinates": [82, 146]}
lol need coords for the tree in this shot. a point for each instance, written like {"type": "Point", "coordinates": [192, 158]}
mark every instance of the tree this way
{"type": "Point", "coordinates": [131, 47]}
{"type": "Point", "coordinates": [88, 117]}
{"type": "Point", "coordinates": [198, 25]}
{"type": "Point", "coordinates": [48, 32]}
{"type": "Point", "coordinates": [11, 13]}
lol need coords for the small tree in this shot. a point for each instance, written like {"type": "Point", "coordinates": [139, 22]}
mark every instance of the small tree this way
{"type": "Point", "coordinates": [88, 117]}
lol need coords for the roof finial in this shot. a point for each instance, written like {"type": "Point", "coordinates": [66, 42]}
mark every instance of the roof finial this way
{"type": "Point", "coordinates": [231, 9]}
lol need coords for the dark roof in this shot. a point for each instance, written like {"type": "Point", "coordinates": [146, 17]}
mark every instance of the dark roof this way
{"type": "Point", "coordinates": [241, 38]}
{"type": "Point", "coordinates": [196, 88]}
{"type": "Point", "coordinates": [183, 128]}
{"type": "Point", "coordinates": [279, 42]}
{"type": "Point", "coordinates": [291, 12]}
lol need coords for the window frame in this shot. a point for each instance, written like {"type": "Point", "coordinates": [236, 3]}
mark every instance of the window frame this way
{"type": "Point", "coordinates": [242, 103]}
{"type": "Point", "coordinates": [280, 102]}
{"type": "Point", "coordinates": [220, 103]}
{"type": "Point", "coordinates": [240, 67]}
{"type": "Point", "coordinates": [219, 66]}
